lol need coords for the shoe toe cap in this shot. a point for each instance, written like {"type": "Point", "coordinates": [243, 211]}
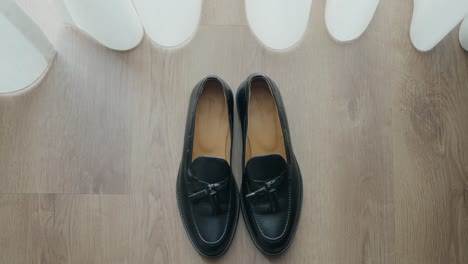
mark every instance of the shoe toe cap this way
{"type": "Point", "coordinates": [211, 229]}
{"type": "Point", "coordinates": [272, 227]}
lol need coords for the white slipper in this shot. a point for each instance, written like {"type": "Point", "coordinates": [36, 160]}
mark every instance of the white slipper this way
{"type": "Point", "coordinates": [347, 20]}
{"type": "Point", "coordinates": [169, 23]}
{"type": "Point", "coordinates": [279, 24]}
{"type": "Point", "coordinates": [464, 34]}
{"type": "Point", "coordinates": [25, 51]}
{"type": "Point", "coordinates": [113, 23]}
{"type": "Point", "coordinates": [433, 20]}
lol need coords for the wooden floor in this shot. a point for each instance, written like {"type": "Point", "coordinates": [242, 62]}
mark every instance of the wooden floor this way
{"type": "Point", "coordinates": [89, 158]}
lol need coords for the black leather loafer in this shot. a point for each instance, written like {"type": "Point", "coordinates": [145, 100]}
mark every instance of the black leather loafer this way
{"type": "Point", "coordinates": [271, 193]}
{"type": "Point", "coordinates": [207, 192]}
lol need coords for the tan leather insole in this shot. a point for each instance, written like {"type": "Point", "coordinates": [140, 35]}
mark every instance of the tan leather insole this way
{"type": "Point", "coordinates": [264, 134]}
{"type": "Point", "coordinates": [212, 136]}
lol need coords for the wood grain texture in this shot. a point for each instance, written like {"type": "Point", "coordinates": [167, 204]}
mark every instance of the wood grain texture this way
{"type": "Point", "coordinates": [431, 171]}
{"type": "Point", "coordinates": [64, 228]}
{"type": "Point", "coordinates": [89, 158]}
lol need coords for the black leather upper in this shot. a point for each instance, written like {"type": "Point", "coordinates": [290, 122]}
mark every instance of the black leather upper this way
{"type": "Point", "coordinates": [271, 192]}
{"type": "Point", "coordinates": [207, 193]}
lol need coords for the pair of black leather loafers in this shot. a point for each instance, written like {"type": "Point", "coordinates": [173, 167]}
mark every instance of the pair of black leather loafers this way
{"type": "Point", "coordinates": [271, 194]}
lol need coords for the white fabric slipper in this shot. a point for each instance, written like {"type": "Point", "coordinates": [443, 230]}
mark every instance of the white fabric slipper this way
{"type": "Point", "coordinates": [433, 20]}
{"type": "Point", "coordinates": [113, 23]}
{"type": "Point", "coordinates": [169, 23]}
{"type": "Point", "coordinates": [464, 34]}
{"type": "Point", "coordinates": [346, 20]}
{"type": "Point", "coordinates": [278, 24]}
{"type": "Point", "coordinates": [25, 51]}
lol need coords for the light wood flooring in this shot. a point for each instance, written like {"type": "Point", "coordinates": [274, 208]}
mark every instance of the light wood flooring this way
{"type": "Point", "coordinates": [89, 157]}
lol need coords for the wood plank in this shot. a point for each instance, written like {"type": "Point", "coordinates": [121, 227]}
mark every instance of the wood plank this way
{"type": "Point", "coordinates": [70, 134]}
{"type": "Point", "coordinates": [223, 12]}
{"type": "Point", "coordinates": [430, 146]}
{"type": "Point", "coordinates": [37, 228]}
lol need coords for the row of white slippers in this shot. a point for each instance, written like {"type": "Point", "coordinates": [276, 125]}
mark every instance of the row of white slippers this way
{"type": "Point", "coordinates": [25, 52]}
